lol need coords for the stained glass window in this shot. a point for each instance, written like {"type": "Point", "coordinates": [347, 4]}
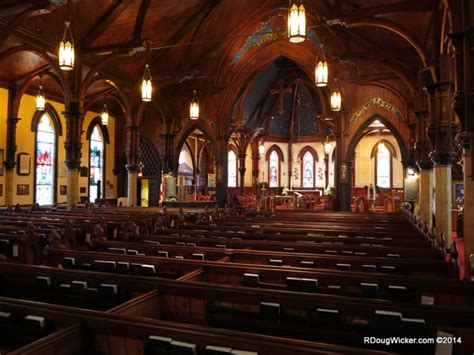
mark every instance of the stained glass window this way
{"type": "Point", "coordinates": [96, 164]}
{"type": "Point", "coordinates": [308, 169]}
{"type": "Point", "coordinates": [231, 169]}
{"type": "Point", "coordinates": [45, 159]}
{"type": "Point", "coordinates": [273, 170]}
{"type": "Point", "coordinates": [383, 166]}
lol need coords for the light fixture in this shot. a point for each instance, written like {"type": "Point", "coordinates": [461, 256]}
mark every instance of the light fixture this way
{"type": "Point", "coordinates": [66, 49]}
{"type": "Point", "coordinates": [146, 84]}
{"type": "Point", "coordinates": [104, 116]}
{"type": "Point", "coordinates": [40, 98]}
{"type": "Point", "coordinates": [321, 72]}
{"type": "Point", "coordinates": [194, 107]}
{"type": "Point", "coordinates": [327, 146]}
{"type": "Point", "coordinates": [140, 169]}
{"type": "Point", "coordinates": [261, 149]}
{"type": "Point", "coordinates": [336, 101]}
{"type": "Point", "coordinates": [296, 21]}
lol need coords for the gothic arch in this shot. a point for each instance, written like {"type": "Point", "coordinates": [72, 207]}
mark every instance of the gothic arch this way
{"type": "Point", "coordinates": [103, 129]}
{"type": "Point", "coordinates": [49, 109]}
{"type": "Point", "coordinates": [276, 148]}
{"type": "Point", "coordinates": [308, 149]}
{"type": "Point", "coordinates": [390, 147]}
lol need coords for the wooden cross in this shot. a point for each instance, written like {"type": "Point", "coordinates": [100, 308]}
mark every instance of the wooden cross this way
{"type": "Point", "coordinates": [281, 91]}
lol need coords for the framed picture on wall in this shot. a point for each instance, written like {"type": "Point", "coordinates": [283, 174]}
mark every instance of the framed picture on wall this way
{"type": "Point", "coordinates": [23, 164]}
{"type": "Point", "coordinates": [1, 162]}
{"type": "Point", "coordinates": [22, 190]}
{"type": "Point", "coordinates": [1, 190]}
{"type": "Point", "coordinates": [458, 191]}
{"type": "Point", "coordinates": [63, 190]}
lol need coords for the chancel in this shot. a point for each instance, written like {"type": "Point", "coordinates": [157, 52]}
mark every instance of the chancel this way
{"type": "Point", "coordinates": [236, 176]}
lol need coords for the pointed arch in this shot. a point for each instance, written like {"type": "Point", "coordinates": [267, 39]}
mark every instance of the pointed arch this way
{"type": "Point", "coordinates": [53, 114]}
{"type": "Point", "coordinates": [276, 148]}
{"type": "Point", "coordinates": [308, 149]}
{"type": "Point", "coordinates": [390, 147]}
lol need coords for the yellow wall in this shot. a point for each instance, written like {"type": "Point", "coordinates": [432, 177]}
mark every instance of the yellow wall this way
{"type": "Point", "coordinates": [26, 144]}
{"type": "Point", "coordinates": [365, 166]}
{"type": "Point", "coordinates": [248, 167]}
{"type": "Point", "coordinates": [3, 137]}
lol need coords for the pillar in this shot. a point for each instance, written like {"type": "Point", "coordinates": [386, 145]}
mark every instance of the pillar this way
{"type": "Point", "coordinates": [255, 170]}
{"type": "Point", "coordinates": [425, 192]}
{"type": "Point", "coordinates": [221, 170]}
{"type": "Point", "coordinates": [73, 147]}
{"type": "Point", "coordinates": [132, 152]}
{"type": "Point", "coordinates": [441, 131]}
{"type": "Point", "coordinates": [242, 170]}
{"type": "Point", "coordinates": [132, 183]}
{"type": "Point", "coordinates": [468, 213]}
{"type": "Point", "coordinates": [10, 161]}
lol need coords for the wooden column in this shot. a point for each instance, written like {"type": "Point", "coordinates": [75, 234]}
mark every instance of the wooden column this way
{"type": "Point", "coordinates": [242, 171]}
{"type": "Point", "coordinates": [255, 169]}
{"type": "Point", "coordinates": [425, 165]}
{"type": "Point", "coordinates": [221, 170]}
{"type": "Point", "coordinates": [73, 146]}
{"type": "Point", "coordinates": [132, 152]}
{"type": "Point", "coordinates": [442, 131]}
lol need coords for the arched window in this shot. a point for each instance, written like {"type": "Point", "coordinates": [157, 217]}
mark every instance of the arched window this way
{"type": "Point", "coordinates": [45, 160]}
{"type": "Point", "coordinates": [96, 164]}
{"type": "Point", "coordinates": [274, 169]}
{"type": "Point", "coordinates": [307, 167]}
{"type": "Point", "coordinates": [231, 169]}
{"type": "Point", "coordinates": [383, 166]}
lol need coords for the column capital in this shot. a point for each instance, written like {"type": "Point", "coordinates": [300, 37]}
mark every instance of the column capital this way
{"type": "Point", "coordinates": [424, 165]}
{"type": "Point", "coordinates": [131, 168]}
{"type": "Point", "coordinates": [443, 157]}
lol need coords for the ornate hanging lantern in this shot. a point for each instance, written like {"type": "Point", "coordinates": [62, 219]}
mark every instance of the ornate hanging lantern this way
{"type": "Point", "coordinates": [336, 101]}
{"type": "Point", "coordinates": [296, 21]}
{"type": "Point", "coordinates": [327, 146]}
{"type": "Point", "coordinates": [66, 49]}
{"type": "Point", "coordinates": [146, 84]}
{"type": "Point", "coordinates": [40, 98]}
{"type": "Point", "coordinates": [194, 107]}
{"type": "Point", "coordinates": [321, 72]}
{"type": "Point", "coordinates": [261, 149]}
{"type": "Point", "coordinates": [104, 116]}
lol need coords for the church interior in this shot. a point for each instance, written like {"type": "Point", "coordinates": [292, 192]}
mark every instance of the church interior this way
{"type": "Point", "coordinates": [236, 176]}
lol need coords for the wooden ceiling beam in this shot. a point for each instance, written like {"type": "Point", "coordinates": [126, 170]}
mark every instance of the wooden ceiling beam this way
{"type": "Point", "coordinates": [383, 10]}
{"type": "Point", "coordinates": [109, 16]}
{"type": "Point", "coordinates": [137, 31]}
{"type": "Point", "coordinates": [34, 72]}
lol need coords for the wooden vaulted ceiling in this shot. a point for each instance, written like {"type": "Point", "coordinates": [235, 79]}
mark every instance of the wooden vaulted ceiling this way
{"type": "Point", "coordinates": [189, 38]}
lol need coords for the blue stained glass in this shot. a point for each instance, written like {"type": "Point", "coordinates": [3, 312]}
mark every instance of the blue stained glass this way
{"type": "Point", "coordinates": [273, 169]}
{"type": "Point", "coordinates": [308, 170]}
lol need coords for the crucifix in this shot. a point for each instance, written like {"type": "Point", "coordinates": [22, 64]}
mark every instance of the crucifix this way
{"type": "Point", "coordinates": [281, 91]}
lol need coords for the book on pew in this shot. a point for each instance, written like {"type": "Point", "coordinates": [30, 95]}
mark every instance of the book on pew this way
{"type": "Point", "coordinates": [327, 313]}
{"type": "Point", "coordinates": [243, 352]}
{"type": "Point", "coordinates": [132, 252]}
{"type": "Point", "coordinates": [369, 289]}
{"type": "Point", "coordinates": [395, 256]}
{"type": "Point", "coordinates": [388, 319]}
{"type": "Point", "coordinates": [216, 350]}
{"type": "Point", "coordinates": [117, 250]}
{"type": "Point", "coordinates": [346, 252]}
{"type": "Point", "coordinates": [108, 289]}
{"type": "Point", "coordinates": [342, 266]}
{"type": "Point", "coordinates": [270, 310]}
{"type": "Point", "coordinates": [330, 251]}
{"type": "Point", "coordinates": [308, 284]}
{"type": "Point", "coordinates": [157, 345]}
{"type": "Point", "coordinates": [5, 317]}
{"type": "Point", "coordinates": [294, 283]}
{"type": "Point", "coordinates": [360, 253]}
{"type": "Point", "coordinates": [307, 263]}
{"type": "Point", "coordinates": [221, 246]}
{"type": "Point", "coordinates": [276, 262]}
{"type": "Point", "coordinates": [198, 256]}
{"type": "Point", "coordinates": [428, 300]}
{"type": "Point", "coordinates": [288, 249]}
{"type": "Point", "coordinates": [123, 266]}
{"type": "Point", "coordinates": [69, 262]}
{"type": "Point", "coordinates": [35, 321]}
{"type": "Point", "coordinates": [182, 348]}
{"type": "Point", "coordinates": [44, 281]}
{"type": "Point", "coordinates": [15, 251]}
{"type": "Point", "coordinates": [179, 257]}
{"type": "Point", "coordinates": [162, 253]}
{"type": "Point", "coordinates": [251, 280]}
{"type": "Point", "coordinates": [413, 323]}
{"type": "Point", "coordinates": [79, 286]}
{"type": "Point", "coordinates": [151, 242]}
{"type": "Point", "coordinates": [369, 268]}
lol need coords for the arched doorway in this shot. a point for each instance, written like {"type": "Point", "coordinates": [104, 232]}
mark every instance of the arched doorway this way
{"type": "Point", "coordinates": [149, 191]}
